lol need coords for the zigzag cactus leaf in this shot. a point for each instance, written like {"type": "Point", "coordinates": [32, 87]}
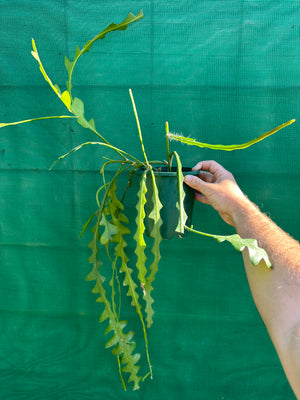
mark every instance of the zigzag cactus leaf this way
{"type": "Point", "coordinates": [84, 228]}
{"type": "Point", "coordinates": [181, 195]}
{"type": "Point", "coordinates": [70, 65]}
{"type": "Point", "coordinates": [230, 147]}
{"type": "Point", "coordinates": [117, 216]}
{"type": "Point", "coordinates": [132, 286]}
{"type": "Point", "coordinates": [126, 270]}
{"type": "Point", "coordinates": [77, 108]}
{"type": "Point", "coordinates": [120, 253]}
{"type": "Point", "coordinates": [109, 230]}
{"type": "Point", "coordinates": [124, 346]}
{"type": "Point", "coordinates": [256, 253]}
{"type": "Point", "coordinates": [140, 229]}
{"type": "Point", "coordinates": [65, 96]}
{"type": "Point", "coordinates": [155, 234]}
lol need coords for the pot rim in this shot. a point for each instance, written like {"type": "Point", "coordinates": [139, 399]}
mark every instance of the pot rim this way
{"type": "Point", "coordinates": [173, 173]}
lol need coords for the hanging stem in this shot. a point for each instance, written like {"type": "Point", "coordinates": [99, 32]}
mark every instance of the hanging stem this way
{"type": "Point", "coordinates": [139, 127]}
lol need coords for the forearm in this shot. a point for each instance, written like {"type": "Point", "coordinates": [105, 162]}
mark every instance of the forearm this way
{"type": "Point", "coordinates": [283, 250]}
{"type": "Point", "coordinates": [276, 292]}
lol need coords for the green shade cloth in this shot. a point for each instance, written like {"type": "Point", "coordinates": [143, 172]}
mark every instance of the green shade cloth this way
{"type": "Point", "coordinates": [219, 71]}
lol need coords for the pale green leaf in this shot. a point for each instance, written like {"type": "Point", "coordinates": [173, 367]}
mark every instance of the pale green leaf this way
{"type": "Point", "coordinates": [77, 108]}
{"type": "Point", "coordinates": [124, 348]}
{"type": "Point", "coordinates": [231, 147]}
{"type": "Point", "coordinates": [256, 253]}
{"type": "Point", "coordinates": [157, 206]}
{"type": "Point", "coordinates": [112, 341]}
{"type": "Point", "coordinates": [57, 88]}
{"type": "Point", "coordinates": [155, 234]}
{"type": "Point", "coordinates": [109, 230]}
{"type": "Point", "coordinates": [92, 124]}
{"type": "Point", "coordinates": [70, 65]}
{"type": "Point", "coordinates": [140, 229]}
{"type": "Point", "coordinates": [64, 98]}
{"type": "Point", "coordinates": [87, 224]}
{"type": "Point", "coordinates": [128, 278]}
{"type": "Point", "coordinates": [181, 195]}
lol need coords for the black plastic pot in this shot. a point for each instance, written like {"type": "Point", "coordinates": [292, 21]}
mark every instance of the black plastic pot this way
{"type": "Point", "coordinates": [168, 194]}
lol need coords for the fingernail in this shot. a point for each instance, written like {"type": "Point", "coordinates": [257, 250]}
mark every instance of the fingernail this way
{"type": "Point", "coordinates": [187, 178]}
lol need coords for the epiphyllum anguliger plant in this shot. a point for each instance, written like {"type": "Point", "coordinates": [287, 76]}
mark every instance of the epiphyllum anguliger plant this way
{"type": "Point", "coordinates": [110, 229]}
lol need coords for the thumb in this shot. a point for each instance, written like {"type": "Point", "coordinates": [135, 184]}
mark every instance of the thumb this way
{"type": "Point", "coordinates": [195, 182]}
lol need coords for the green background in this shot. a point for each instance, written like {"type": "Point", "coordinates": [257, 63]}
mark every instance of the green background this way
{"type": "Point", "coordinates": [219, 71]}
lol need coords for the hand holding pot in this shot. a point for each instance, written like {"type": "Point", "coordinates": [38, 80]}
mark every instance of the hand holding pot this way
{"type": "Point", "coordinates": [276, 294]}
{"type": "Point", "coordinates": [216, 186]}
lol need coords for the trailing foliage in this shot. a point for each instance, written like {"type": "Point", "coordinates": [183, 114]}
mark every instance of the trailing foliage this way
{"type": "Point", "coordinates": [181, 195]}
{"type": "Point", "coordinates": [122, 343]}
{"type": "Point", "coordinates": [140, 230]}
{"type": "Point", "coordinates": [157, 238]}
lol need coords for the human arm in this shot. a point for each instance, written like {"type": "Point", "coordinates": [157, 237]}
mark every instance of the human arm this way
{"type": "Point", "coordinates": [276, 292]}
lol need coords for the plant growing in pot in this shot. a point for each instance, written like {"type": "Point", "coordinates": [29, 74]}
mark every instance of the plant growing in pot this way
{"type": "Point", "coordinates": [110, 229]}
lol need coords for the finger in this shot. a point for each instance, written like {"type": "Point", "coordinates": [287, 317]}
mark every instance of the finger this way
{"type": "Point", "coordinates": [195, 182]}
{"type": "Point", "coordinates": [214, 168]}
{"type": "Point", "coordinates": [201, 198]}
{"type": "Point", "coordinates": [206, 177]}
{"type": "Point", "coordinates": [197, 167]}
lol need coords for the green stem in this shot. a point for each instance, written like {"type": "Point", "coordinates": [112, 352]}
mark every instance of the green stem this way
{"type": "Point", "coordinates": [107, 186]}
{"type": "Point", "coordinates": [128, 185]}
{"type": "Point", "coordinates": [168, 147]}
{"type": "Point", "coordinates": [138, 126]}
{"type": "Point", "coordinates": [146, 345]}
{"type": "Point", "coordinates": [199, 233]}
{"type": "Point", "coordinates": [3, 124]}
{"type": "Point", "coordinates": [120, 152]}
{"type": "Point", "coordinates": [121, 375]}
{"type": "Point", "coordinates": [110, 161]}
{"type": "Point", "coordinates": [230, 147]}
{"type": "Point", "coordinates": [106, 141]}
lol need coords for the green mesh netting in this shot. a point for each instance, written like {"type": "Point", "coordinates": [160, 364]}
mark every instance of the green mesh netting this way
{"type": "Point", "coordinates": [219, 71]}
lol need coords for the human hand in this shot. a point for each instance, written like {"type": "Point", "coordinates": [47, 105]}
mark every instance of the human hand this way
{"type": "Point", "coordinates": [216, 186]}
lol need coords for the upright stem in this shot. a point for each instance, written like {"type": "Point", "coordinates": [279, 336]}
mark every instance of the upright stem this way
{"type": "Point", "coordinates": [139, 127]}
{"type": "Point", "coordinates": [168, 147]}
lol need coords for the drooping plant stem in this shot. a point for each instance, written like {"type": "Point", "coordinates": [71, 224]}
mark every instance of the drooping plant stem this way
{"type": "Point", "coordinates": [120, 152]}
